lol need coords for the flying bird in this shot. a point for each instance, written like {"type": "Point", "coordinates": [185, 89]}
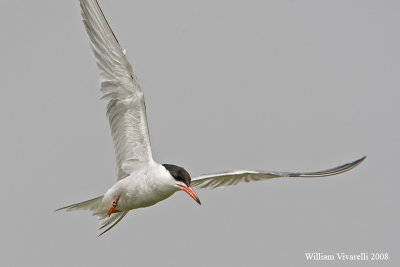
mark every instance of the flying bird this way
{"type": "Point", "coordinates": [142, 182]}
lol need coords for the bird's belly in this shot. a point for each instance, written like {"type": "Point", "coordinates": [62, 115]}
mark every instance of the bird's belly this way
{"type": "Point", "coordinates": [135, 200]}
{"type": "Point", "coordinates": [137, 195]}
{"type": "Point", "coordinates": [139, 190]}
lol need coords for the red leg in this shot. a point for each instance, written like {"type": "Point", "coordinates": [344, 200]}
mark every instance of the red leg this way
{"type": "Point", "coordinates": [113, 208]}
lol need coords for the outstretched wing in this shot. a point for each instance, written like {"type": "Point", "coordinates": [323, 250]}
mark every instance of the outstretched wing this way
{"type": "Point", "coordinates": [126, 108]}
{"type": "Point", "coordinates": [235, 177]}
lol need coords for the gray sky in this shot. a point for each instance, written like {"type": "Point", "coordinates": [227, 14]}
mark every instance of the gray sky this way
{"type": "Point", "coordinates": [276, 85]}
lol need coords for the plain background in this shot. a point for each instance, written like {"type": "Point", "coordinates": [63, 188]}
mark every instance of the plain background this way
{"type": "Point", "coordinates": [276, 85]}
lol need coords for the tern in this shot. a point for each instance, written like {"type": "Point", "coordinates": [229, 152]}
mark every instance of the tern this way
{"type": "Point", "coordinates": [142, 182]}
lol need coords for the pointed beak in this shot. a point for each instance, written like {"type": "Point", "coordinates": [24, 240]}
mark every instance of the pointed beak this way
{"type": "Point", "coordinates": [191, 193]}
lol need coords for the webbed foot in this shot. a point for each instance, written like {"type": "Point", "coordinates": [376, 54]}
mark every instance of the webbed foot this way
{"type": "Point", "coordinates": [113, 208]}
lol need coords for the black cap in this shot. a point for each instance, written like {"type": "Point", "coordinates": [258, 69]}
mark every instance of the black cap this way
{"type": "Point", "coordinates": [179, 173]}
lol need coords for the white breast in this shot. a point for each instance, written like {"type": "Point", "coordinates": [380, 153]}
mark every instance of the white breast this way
{"type": "Point", "coordinates": [142, 188]}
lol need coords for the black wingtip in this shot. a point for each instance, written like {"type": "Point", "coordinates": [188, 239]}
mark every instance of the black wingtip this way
{"type": "Point", "coordinates": [356, 162]}
{"type": "Point", "coordinates": [337, 170]}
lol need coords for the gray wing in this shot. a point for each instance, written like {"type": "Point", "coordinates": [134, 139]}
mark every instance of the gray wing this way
{"type": "Point", "coordinates": [126, 108]}
{"type": "Point", "coordinates": [234, 177]}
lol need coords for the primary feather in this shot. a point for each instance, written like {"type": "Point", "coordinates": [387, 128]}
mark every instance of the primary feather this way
{"type": "Point", "coordinates": [234, 177]}
{"type": "Point", "coordinates": [126, 109]}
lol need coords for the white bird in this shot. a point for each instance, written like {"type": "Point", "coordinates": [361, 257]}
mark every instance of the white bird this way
{"type": "Point", "coordinates": [142, 182]}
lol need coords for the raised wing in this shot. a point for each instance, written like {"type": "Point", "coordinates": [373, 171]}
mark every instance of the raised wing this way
{"type": "Point", "coordinates": [234, 177]}
{"type": "Point", "coordinates": [126, 108]}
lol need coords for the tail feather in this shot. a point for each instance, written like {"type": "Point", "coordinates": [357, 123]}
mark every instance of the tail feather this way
{"type": "Point", "coordinates": [92, 205]}
{"type": "Point", "coordinates": [95, 206]}
{"type": "Point", "coordinates": [107, 220]}
{"type": "Point", "coordinates": [116, 218]}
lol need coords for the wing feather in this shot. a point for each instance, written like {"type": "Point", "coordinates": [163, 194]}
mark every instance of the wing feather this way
{"type": "Point", "coordinates": [229, 178]}
{"type": "Point", "coordinates": [126, 109]}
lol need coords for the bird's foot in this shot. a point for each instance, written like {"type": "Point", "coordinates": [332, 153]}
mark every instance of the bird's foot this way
{"type": "Point", "coordinates": [113, 208]}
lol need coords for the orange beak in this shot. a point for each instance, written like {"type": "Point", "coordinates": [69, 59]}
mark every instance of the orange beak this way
{"type": "Point", "coordinates": [191, 193]}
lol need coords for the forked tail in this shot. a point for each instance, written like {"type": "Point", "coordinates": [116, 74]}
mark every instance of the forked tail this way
{"type": "Point", "coordinates": [95, 206]}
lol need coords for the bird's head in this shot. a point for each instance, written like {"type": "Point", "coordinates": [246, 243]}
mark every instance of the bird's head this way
{"type": "Point", "coordinates": [182, 180]}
